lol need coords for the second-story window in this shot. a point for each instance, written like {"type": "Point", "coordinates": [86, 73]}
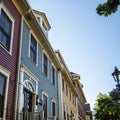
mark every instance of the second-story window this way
{"type": "Point", "coordinates": [53, 75]}
{"type": "Point", "coordinates": [5, 30]}
{"type": "Point", "coordinates": [45, 65]}
{"type": "Point", "coordinates": [33, 49]}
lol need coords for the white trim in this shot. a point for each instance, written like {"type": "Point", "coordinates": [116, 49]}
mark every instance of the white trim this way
{"type": "Point", "coordinates": [2, 6]}
{"type": "Point", "coordinates": [6, 73]}
{"type": "Point", "coordinates": [33, 87]}
{"type": "Point", "coordinates": [42, 61]}
{"type": "Point", "coordinates": [28, 72]}
{"type": "Point", "coordinates": [29, 44]}
{"type": "Point", "coordinates": [48, 68]}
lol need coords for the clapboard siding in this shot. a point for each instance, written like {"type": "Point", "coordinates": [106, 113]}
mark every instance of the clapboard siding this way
{"type": "Point", "coordinates": [10, 61]}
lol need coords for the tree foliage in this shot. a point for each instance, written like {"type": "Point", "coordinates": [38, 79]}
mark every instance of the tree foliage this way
{"type": "Point", "coordinates": [106, 108]}
{"type": "Point", "coordinates": [115, 95]}
{"type": "Point", "coordinates": [108, 8]}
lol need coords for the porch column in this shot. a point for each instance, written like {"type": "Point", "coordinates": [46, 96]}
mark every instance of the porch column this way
{"type": "Point", "coordinates": [20, 92]}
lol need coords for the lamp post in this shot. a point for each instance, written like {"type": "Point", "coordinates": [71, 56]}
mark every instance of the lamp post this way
{"type": "Point", "coordinates": [115, 75]}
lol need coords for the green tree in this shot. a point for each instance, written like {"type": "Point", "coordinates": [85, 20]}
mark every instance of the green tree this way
{"type": "Point", "coordinates": [108, 7]}
{"type": "Point", "coordinates": [106, 108]}
{"type": "Point", "coordinates": [115, 95]}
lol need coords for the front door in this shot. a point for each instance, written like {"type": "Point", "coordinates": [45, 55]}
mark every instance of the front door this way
{"type": "Point", "coordinates": [27, 104]}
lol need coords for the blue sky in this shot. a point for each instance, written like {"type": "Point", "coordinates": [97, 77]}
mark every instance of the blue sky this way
{"type": "Point", "coordinates": [89, 43]}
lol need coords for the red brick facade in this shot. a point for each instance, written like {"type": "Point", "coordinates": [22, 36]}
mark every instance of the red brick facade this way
{"type": "Point", "coordinates": [10, 61]}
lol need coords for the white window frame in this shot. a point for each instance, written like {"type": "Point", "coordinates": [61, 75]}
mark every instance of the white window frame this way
{"type": "Point", "coordinates": [6, 73]}
{"type": "Point", "coordinates": [44, 93]}
{"type": "Point", "coordinates": [29, 48]}
{"type": "Point", "coordinates": [52, 100]}
{"type": "Point", "coordinates": [2, 6]}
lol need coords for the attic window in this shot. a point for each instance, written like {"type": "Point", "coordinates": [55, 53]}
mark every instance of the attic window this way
{"type": "Point", "coordinates": [43, 24]}
{"type": "Point", "coordinates": [38, 18]}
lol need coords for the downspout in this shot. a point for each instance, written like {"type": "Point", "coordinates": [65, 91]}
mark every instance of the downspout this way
{"type": "Point", "coordinates": [18, 73]}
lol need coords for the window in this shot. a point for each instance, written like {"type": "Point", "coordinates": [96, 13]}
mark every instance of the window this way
{"type": "Point", "coordinates": [66, 90]}
{"type": "Point", "coordinates": [45, 65]}
{"type": "Point", "coordinates": [6, 25]}
{"type": "Point", "coordinates": [70, 94]}
{"type": "Point", "coordinates": [45, 106]}
{"type": "Point", "coordinates": [43, 24]}
{"type": "Point", "coordinates": [38, 18]}
{"type": "Point", "coordinates": [64, 112]}
{"type": "Point", "coordinates": [33, 49]}
{"type": "Point", "coordinates": [53, 75]}
{"type": "Point", "coordinates": [53, 108]}
{"type": "Point", "coordinates": [63, 87]}
{"type": "Point", "coordinates": [2, 93]}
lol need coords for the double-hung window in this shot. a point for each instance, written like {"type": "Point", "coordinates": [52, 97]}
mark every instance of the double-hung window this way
{"type": "Point", "coordinates": [45, 105]}
{"type": "Point", "coordinates": [6, 29]}
{"type": "Point", "coordinates": [45, 65]}
{"type": "Point", "coordinates": [53, 76]}
{"type": "Point", "coordinates": [2, 93]}
{"type": "Point", "coordinates": [33, 49]}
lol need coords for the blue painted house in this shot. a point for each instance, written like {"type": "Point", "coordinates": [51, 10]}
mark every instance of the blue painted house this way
{"type": "Point", "coordinates": [38, 67]}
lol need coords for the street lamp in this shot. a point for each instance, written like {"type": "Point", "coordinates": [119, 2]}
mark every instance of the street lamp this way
{"type": "Point", "coordinates": [115, 75]}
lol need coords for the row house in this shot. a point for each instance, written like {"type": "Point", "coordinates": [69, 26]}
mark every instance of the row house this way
{"type": "Point", "coordinates": [81, 99]}
{"type": "Point", "coordinates": [38, 66]}
{"type": "Point", "coordinates": [35, 82]}
{"type": "Point", "coordinates": [68, 92]}
{"type": "Point", "coordinates": [10, 20]}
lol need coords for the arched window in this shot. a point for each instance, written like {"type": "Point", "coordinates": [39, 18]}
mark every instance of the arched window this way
{"type": "Point", "coordinates": [27, 84]}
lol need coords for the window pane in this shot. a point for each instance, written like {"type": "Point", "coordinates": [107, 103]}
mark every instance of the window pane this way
{"type": "Point", "coordinates": [5, 30]}
{"type": "Point", "coordinates": [45, 65]}
{"type": "Point", "coordinates": [33, 49]}
{"type": "Point", "coordinates": [2, 90]}
{"type": "Point", "coordinates": [53, 76]}
{"type": "Point", "coordinates": [1, 105]}
{"type": "Point", "coordinates": [33, 55]}
{"type": "Point", "coordinates": [45, 105]}
{"type": "Point", "coordinates": [2, 84]}
{"type": "Point", "coordinates": [8, 27]}
{"type": "Point", "coordinates": [53, 108]}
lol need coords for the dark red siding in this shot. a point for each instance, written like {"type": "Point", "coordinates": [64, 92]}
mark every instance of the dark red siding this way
{"type": "Point", "coordinates": [10, 62]}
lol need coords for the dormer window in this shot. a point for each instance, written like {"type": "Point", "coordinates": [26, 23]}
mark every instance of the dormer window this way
{"type": "Point", "coordinates": [38, 18]}
{"type": "Point", "coordinates": [43, 24]}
